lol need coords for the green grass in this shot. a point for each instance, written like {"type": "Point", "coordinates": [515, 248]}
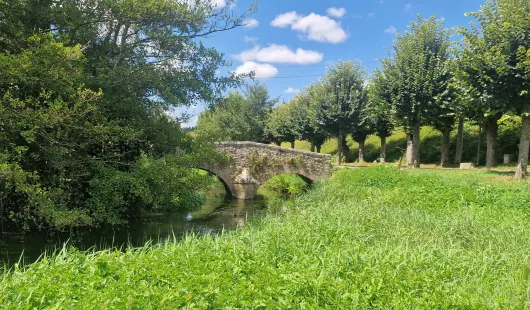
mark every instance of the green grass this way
{"type": "Point", "coordinates": [374, 238]}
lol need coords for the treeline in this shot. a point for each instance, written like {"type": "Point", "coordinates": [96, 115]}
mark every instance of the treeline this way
{"type": "Point", "coordinates": [86, 88]}
{"type": "Point", "coordinates": [426, 80]}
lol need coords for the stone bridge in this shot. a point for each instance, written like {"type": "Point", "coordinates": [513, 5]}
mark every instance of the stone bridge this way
{"type": "Point", "coordinates": [249, 165]}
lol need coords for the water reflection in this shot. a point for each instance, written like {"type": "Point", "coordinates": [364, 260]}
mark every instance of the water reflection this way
{"type": "Point", "coordinates": [216, 214]}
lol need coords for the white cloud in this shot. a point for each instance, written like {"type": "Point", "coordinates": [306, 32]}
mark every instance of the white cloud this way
{"type": "Point", "coordinates": [248, 39]}
{"type": "Point", "coordinates": [314, 27]}
{"type": "Point", "coordinates": [262, 71]}
{"type": "Point", "coordinates": [369, 15]}
{"type": "Point", "coordinates": [251, 23]}
{"type": "Point", "coordinates": [407, 7]}
{"type": "Point", "coordinates": [192, 122]}
{"type": "Point", "coordinates": [219, 3]}
{"type": "Point", "coordinates": [336, 12]}
{"type": "Point", "coordinates": [280, 54]}
{"type": "Point", "coordinates": [223, 3]}
{"type": "Point", "coordinates": [391, 30]}
{"type": "Point", "coordinates": [291, 90]}
{"type": "Point", "coordinates": [286, 19]}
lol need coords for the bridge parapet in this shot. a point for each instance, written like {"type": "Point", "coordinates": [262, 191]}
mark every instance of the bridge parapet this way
{"type": "Point", "coordinates": [251, 164]}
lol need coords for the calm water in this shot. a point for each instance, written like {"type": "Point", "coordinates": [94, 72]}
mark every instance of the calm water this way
{"type": "Point", "coordinates": [216, 214]}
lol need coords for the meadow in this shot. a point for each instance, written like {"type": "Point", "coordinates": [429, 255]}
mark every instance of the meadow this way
{"type": "Point", "coordinates": [374, 238]}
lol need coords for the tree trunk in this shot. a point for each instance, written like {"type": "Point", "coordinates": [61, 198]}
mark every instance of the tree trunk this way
{"type": "Point", "coordinates": [445, 146]}
{"type": "Point", "coordinates": [382, 154]}
{"type": "Point", "coordinates": [312, 146]}
{"type": "Point", "coordinates": [409, 150]}
{"type": "Point", "coordinates": [460, 141]}
{"type": "Point", "coordinates": [345, 149]}
{"type": "Point", "coordinates": [361, 151]}
{"type": "Point", "coordinates": [416, 145]}
{"type": "Point", "coordinates": [492, 131]}
{"type": "Point", "coordinates": [292, 144]}
{"type": "Point", "coordinates": [318, 148]}
{"type": "Point", "coordinates": [339, 149]}
{"type": "Point", "coordinates": [524, 145]}
{"type": "Point", "coordinates": [478, 146]}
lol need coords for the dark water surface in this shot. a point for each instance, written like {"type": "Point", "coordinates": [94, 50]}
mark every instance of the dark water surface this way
{"type": "Point", "coordinates": [216, 214]}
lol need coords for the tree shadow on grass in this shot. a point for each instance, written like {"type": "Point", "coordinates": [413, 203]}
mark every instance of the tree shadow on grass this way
{"type": "Point", "coordinates": [504, 173]}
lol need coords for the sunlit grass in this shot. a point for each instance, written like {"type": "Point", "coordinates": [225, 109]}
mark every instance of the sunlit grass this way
{"type": "Point", "coordinates": [368, 238]}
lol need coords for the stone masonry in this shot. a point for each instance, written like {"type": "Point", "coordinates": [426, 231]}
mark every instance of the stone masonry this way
{"type": "Point", "coordinates": [249, 165]}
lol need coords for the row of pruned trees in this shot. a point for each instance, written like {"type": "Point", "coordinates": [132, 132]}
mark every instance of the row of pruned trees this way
{"type": "Point", "coordinates": [425, 80]}
{"type": "Point", "coordinates": [337, 105]}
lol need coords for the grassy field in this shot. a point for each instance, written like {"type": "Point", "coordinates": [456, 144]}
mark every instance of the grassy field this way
{"type": "Point", "coordinates": [374, 238]}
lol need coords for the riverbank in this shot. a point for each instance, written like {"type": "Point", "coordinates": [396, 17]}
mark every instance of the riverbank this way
{"type": "Point", "coordinates": [374, 237]}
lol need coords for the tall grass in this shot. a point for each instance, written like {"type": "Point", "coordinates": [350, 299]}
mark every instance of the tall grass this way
{"type": "Point", "coordinates": [374, 238]}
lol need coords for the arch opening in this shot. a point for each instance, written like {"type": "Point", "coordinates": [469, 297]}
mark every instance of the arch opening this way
{"type": "Point", "coordinates": [287, 184]}
{"type": "Point", "coordinates": [227, 189]}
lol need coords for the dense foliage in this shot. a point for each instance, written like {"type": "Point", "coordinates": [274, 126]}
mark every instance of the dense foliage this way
{"type": "Point", "coordinates": [405, 240]}
{"type": "Point", "coordinates": [239, 117]}
{"type": "Point", "coordinates": [494, 66]}
{"type": "Point", "coordinates": [85, 88]}
{"type": "Point", "coordinates": [344, 98]}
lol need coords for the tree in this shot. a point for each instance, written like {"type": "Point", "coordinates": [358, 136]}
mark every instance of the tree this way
{"type": "Point", "coordinates": [84, 91]}
{"type": "Point", "coordinates": [417, 69]}
{"type": "Point", "coordinates": [239, 117]}
{"type": "Point", "coordinates": [345, 94]}
{"type": "Point", "coordinates": [306, 109]}
{"type": "Point", "coordinates": [442, 115]}
{"type": "Point", "coordinates": [282, 124]}
{"type": "Point", "coordinates": [495, 66]}
{"type": "Point", "coordinates": [363, 125]}
{"type": "Point", "coordinates": [380, 106]}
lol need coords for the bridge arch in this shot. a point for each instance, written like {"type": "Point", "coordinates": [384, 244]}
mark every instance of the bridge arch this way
{"type": "Point", "coordinates": [251, 164]}
{"type": "Point", "coordinates": [227, 188]}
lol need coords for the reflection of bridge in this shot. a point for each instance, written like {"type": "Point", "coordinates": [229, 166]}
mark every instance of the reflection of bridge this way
{"type": "Point", "coordinates": [251, 164]}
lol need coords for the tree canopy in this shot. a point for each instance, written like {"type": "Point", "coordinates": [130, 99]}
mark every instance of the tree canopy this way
{"type": "Point", "coordinates": [84, 91]}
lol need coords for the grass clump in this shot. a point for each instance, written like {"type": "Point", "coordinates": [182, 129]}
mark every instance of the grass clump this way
{"type": "Point", "coordinates": [374, 238]}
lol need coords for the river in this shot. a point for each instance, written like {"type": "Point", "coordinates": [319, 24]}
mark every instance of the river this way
{"type": "Point", "coordinates": [217, 213]}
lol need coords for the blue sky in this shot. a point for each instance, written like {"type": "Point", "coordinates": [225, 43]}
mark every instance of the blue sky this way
{"type": "Point", "coordinates": [289, 43]}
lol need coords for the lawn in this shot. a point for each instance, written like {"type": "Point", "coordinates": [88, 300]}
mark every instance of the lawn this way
{"type": "Point", "coordinates": [368, 238]}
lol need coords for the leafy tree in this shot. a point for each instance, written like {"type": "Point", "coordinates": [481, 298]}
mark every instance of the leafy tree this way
{"type": "Point", "coordinates": [380, 109]}
{"type": "Point", "coordinates": [442, 115]}
{"type": "Point", "coordinates": [282, 124]}
{"type": "Point", "coordinates": [306, 107]}
{"type": "Point", "coordinates": [417, 69]}
{"type": "Point", "coordinates": [230, 120]}
{"type": "Point", "coordinates": [84, 87]}
{"type": "Point", "coordinates": [495, 65]}
{"type": "Point", "coordinates": [239, 117]}
{"type": "Point", "coordinates": [345, 95]}
{"type": "Point", "coordinates": [363, 125]}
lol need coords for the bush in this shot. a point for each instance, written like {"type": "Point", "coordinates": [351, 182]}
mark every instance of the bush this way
{"type": "Point", "coordinates": [288, 184]}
